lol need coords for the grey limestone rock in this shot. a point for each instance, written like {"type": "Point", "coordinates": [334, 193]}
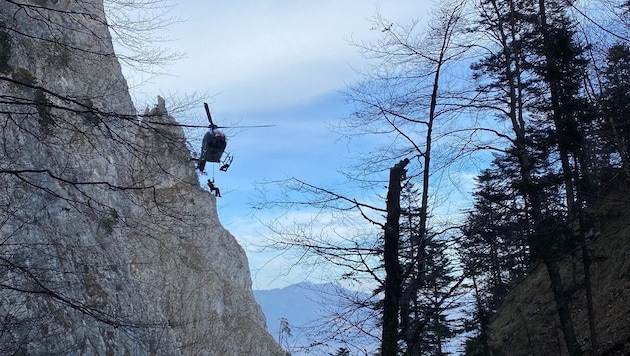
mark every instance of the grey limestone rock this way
{"type": "Point", "coordinates": [108, 246]}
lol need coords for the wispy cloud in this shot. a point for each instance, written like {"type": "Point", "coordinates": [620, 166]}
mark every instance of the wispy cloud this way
{"type": "Point", "coordinates": [269, 54]}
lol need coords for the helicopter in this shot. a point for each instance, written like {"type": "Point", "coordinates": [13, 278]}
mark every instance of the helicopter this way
{"type": "Point", "coordinates": [214, 143]}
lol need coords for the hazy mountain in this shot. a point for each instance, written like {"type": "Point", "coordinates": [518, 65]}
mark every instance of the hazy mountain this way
{"type": "Point", "coordinates": [306, 308]}
{"type": "Point", "coordinates": [298, 303]}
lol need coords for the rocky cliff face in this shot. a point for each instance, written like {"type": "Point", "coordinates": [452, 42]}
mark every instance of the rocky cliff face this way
{"type": "Point", "coordinates": [108, 246]}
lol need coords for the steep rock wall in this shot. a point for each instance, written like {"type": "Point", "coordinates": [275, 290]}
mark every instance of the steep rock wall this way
{"type": "Point", "coordinates": [108, 246]}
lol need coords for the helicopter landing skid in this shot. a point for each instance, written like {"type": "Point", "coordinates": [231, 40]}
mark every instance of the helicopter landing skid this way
{"type": "Point", "coordinates": [226, 162]}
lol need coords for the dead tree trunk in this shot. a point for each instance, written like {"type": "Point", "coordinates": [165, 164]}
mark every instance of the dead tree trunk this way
{"type": "Point", "coordinates": [393, 275]}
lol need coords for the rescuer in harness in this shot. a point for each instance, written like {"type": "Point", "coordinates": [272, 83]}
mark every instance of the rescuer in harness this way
{"type": "Point", "coordinates": [213, 188]}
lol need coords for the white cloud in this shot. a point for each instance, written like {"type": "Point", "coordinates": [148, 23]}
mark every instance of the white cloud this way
{"type": "Point", "coordinates": [275, 268]}
{"type": "Point", "coordinates": [265, 54]}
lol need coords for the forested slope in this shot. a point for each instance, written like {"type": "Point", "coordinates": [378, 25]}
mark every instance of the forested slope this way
{"type": "Point", "coordinates": [527, 321]}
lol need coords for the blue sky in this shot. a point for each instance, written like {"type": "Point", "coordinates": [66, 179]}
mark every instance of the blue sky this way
{"type": "Point", "coordinates": [282, 63]}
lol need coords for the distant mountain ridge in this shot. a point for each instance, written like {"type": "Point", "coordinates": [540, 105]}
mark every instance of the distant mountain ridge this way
{"type": "Point", "coordinates": [298, 303]}
{"type": "Point", "coordinates": [305, 307]}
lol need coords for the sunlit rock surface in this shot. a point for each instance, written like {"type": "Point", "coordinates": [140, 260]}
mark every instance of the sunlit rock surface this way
{"type": "Point", "coordinates": [108, 244]}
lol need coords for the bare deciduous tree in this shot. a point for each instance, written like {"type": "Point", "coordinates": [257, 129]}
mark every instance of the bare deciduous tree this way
{"type": "Point", "coordinates": [409, 101]}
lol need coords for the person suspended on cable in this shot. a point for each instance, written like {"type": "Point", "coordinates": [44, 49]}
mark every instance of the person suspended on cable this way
{"type": "Point", "coordinates": [214, 189]}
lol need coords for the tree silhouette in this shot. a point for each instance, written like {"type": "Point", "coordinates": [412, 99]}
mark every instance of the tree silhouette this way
{"type": "Point", "coordinates": [410, 105]}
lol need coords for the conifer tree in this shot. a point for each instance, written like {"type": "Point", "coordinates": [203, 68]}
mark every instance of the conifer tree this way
{"type": "Point", "coordinates": [430, 287]}
{"type": "Point", "coordinates": [615, 103]}
{"type": "Point", "coordinates": [537, 62]}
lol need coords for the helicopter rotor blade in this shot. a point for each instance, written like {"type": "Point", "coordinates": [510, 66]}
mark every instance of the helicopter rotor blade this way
{"type": "Point", "coordinates": [212, 125]}
{"type": "Point", "coordinates": [204, 126]}
{"type": "Point", "coordinates": [243, 127]}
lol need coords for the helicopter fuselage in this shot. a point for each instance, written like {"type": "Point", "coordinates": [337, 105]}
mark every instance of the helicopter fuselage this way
{"type": "Point", "coordinates": [212, 146]}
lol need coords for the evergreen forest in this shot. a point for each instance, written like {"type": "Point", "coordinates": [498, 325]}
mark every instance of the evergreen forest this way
{"type": "Point", "coordinates": [533, 98]}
